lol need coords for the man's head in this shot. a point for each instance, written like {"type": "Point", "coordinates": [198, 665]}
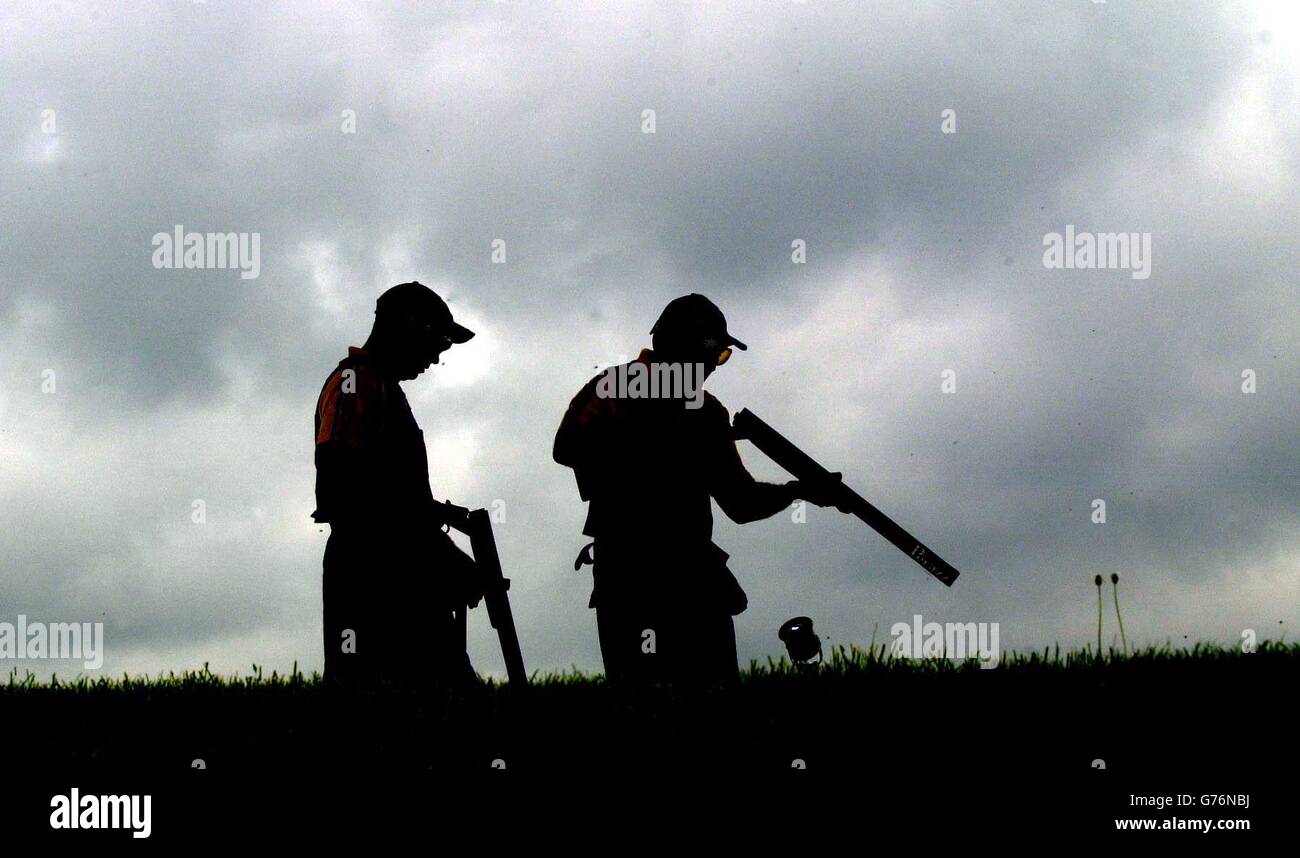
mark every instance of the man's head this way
{"type": "Point", "coordinates": [692, 329]}
{"type": "Point", "coordinates": [413, 327]}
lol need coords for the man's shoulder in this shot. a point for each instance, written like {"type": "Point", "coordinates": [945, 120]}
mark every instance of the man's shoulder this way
{"type": "Point", "coordinates": [353, 375]}
{"type": "Point", "coordinates": [600, 388]}
{"type": "Point", "coordinates": [351, 402]}
{"type": "Point", "coordinates": [715, 409]}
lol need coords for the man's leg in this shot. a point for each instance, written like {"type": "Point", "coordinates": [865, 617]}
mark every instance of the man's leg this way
{"type": "Point", "coordinates": [629, 645]}
{"type": "Point", "coordinates": [428, 640]}
{"type": "Point", "coordinates": [447, 662]}
{"type": "Point", "coordinates": [333, 601]}
{"type": "Point", "coordinates": [699, 648]}
{"type": "Point", "coordinates": [348, 637]}
{"type": "Point", "coordinates": [726, 668]}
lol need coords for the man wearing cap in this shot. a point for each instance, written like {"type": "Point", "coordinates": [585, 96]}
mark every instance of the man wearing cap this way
{"type": "Point", "coordinates": [648, 466]}
{"type": "Point", "coordinates": [391, 575]}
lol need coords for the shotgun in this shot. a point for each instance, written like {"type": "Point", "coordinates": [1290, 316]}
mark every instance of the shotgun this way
{"type": "Point", "coordinates": [477, 525]}
{"type": "Point", "coordinates": [804, 467]}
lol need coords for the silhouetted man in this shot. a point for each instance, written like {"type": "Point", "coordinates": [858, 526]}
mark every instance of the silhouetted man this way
{"type": "Point", "coordinates": [649, 448]}
{"type": "Point", "coordinates": [392, 577]}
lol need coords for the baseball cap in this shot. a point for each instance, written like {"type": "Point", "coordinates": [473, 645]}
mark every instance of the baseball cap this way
{"type": "Point", "coordinates": [693, 316]}
{"type": "Point", "coordinates": [416, 299]}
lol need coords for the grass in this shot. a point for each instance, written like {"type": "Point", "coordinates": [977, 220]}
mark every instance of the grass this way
{"type": "Point", "coordinates": [864, 710]}
{"type": "Point", "coordinates": [930, 741]}
{"type": "Point", "coordinates": [843, 663]}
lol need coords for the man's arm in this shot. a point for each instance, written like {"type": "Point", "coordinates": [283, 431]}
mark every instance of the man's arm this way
{"type": "Point", "coordinates": [345, 489]}
{"type": "Point", "coordinates": [745, 499]}
{"type": "Point", "coordinates": [583, 436]}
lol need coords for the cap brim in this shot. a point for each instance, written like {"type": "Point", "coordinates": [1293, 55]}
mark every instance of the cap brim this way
{"type": "Point", "coordinates": [459, 333]}
{"type": "Point", "coordinates": [737, 343]}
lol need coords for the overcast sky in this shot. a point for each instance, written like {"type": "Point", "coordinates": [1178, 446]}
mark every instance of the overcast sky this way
{"type": "Point", "coordinates": [774, 121]}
